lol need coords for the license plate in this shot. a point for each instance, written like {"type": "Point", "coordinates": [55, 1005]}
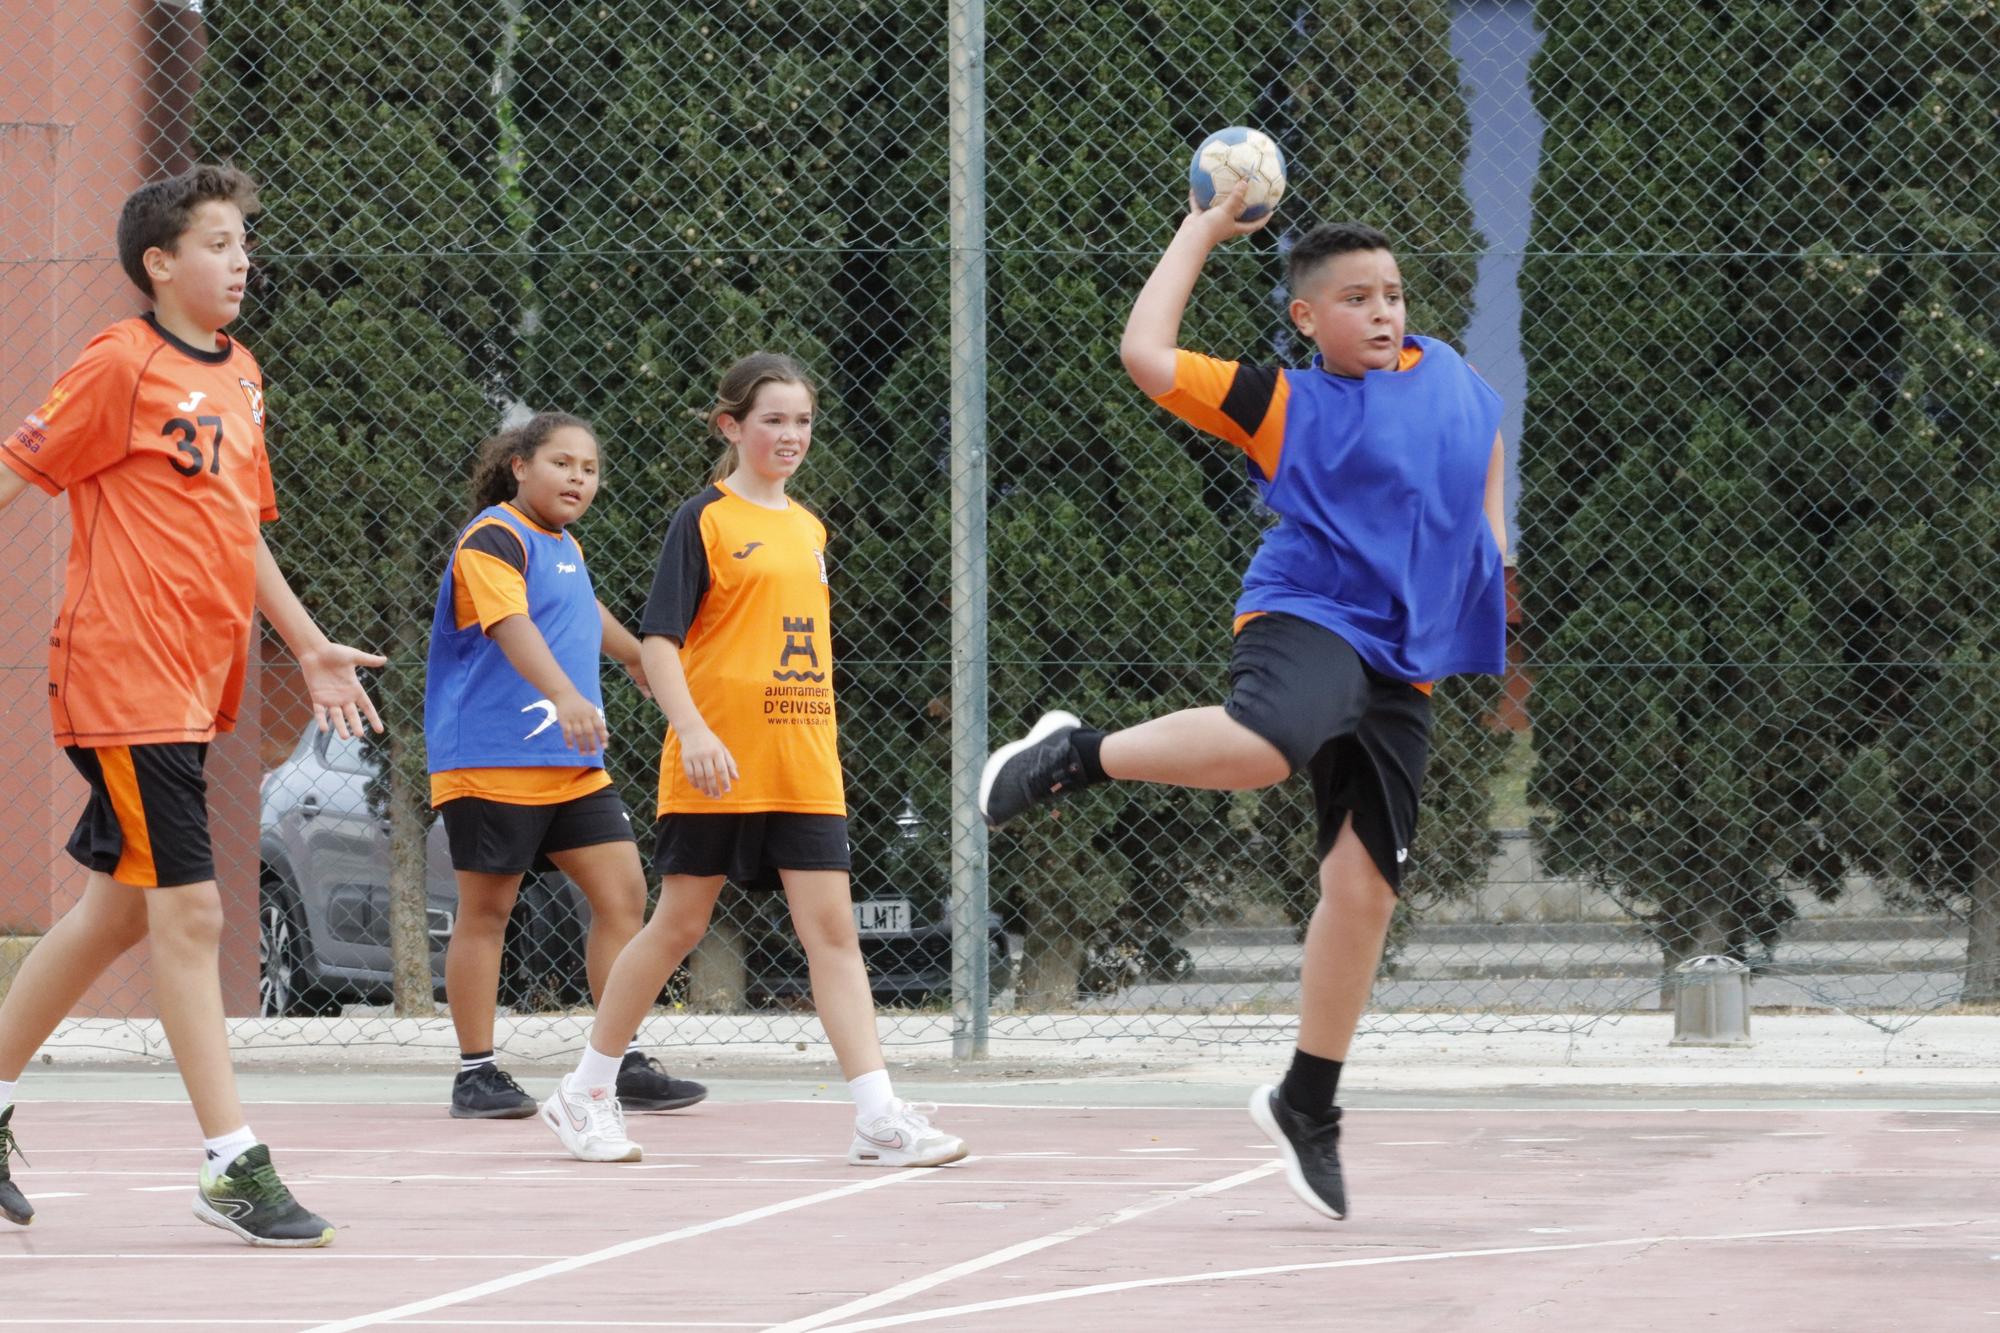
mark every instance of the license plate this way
{"type": "Point", "coordinates": [883, 916]}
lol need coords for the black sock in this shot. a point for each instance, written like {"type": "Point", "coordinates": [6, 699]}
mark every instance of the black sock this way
{"type": "Point", "coordinates": [1086, 742]}
{"type": "Point", "coordinates": [471, 1060]}
{"type": "Point", "coordinates": [1310, 1084]}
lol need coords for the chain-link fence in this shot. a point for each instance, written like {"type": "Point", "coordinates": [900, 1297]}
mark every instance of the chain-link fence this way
{"type": "Point", "coordinates": [1733, 266]}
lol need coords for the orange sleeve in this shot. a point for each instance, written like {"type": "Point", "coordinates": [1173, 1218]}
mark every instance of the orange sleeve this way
{"type": "Point", "coordinates": [485, 588]}
{"type": "Point", "coordinates": [267, 494]}
{"type": "Point", "coordinates": [1244, 405]}
{"type": "Point", "coordinates": [85, 424]}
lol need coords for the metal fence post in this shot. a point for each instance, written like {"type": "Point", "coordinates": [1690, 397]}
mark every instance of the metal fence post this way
{"type": "Point", "coordinates": [969, 978]}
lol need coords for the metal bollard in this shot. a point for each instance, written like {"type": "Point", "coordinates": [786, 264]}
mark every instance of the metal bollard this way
{"type": "Point", "coordinates": [1711, 1002]}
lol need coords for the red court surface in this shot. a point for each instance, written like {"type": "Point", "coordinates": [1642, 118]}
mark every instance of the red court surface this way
{"type": "Point", "coordinates": [744, 1215]}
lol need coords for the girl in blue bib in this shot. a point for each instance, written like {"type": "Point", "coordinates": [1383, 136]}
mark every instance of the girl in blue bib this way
{"type": "Point", "coordinates": [514, 728]}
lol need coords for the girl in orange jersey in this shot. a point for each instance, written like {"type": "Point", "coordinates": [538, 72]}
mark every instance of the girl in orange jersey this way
{"type": "Point", "coordinates": [736, 644]}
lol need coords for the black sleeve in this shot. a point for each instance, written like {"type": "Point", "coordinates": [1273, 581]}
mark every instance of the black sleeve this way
{"type": "Point", "coordinates": [501, 542]}
{"type": "Point", "coordinates": [1249, 396]}
{"type": "Point", "coordinates": [681, 579]}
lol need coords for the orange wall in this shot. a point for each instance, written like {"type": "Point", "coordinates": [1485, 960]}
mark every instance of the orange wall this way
{"type": "Point", "coordinates": [93, 105]}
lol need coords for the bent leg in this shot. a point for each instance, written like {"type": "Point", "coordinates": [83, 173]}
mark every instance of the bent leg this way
{"type": "Point", "coordinates": [1203, 748]}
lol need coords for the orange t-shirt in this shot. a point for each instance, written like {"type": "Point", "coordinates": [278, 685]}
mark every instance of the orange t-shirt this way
{"type": "Point", "coordinates": [1248, 410]}
{"type": "Point", "coordinates": [488, 584]}
{"type": "Point", "coordinates": [743, 590]}
{"type": "Point", "coordinates": [160, 446]}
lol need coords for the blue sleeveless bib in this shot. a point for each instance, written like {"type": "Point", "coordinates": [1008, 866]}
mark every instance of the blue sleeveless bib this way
{"type": "Point", "coordinates": [1382, 535]}
{"type": "Point", "coordinates": [479, 712]}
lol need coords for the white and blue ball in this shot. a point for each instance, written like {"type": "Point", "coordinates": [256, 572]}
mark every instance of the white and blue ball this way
{"type": "Point", "coordinates": [1238, 153]}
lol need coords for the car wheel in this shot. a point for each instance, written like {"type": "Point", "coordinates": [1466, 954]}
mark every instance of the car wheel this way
{"type": "Point", "coordinates": [283, 987]}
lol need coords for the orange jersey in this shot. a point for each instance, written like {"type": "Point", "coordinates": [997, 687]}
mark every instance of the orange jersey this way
{"type": "Point", "coordinates": [160, 447]}
{"type": "Point", "coordinates": [1245, 406]}
{"type": "Point", "coordinates": [489, 584]}
{"type": "Point", "coordinates": [743, 590]}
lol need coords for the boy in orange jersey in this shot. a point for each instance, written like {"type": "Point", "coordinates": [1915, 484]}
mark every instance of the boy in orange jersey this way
{"type": "Point", "coordinates": [157, 434]}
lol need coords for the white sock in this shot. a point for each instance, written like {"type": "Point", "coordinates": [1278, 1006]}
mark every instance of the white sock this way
{"type": "Point", "coordinates": [873, 1097]}
{"type": "Point", "coordinates": [220, 1152]}
{"type": "Point", "coordinates": [7, 1094]}
{"type": "Point", "coordinates": [594, 1069]}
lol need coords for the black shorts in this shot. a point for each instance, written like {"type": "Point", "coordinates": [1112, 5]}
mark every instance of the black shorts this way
{"type": "Point", "coordinates": [750, 848]}
{"type": "Point", "coordinates": [1362, 737]}
{"type": "Point", "coordinates": [147, 819]}
{"type": "Point", "coordinates": [496, 838]}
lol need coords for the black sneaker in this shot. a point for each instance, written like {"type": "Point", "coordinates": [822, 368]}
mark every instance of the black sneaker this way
{"type": "Point", "coordinates": [1311, 1146]}
{"type": "Point", "coordinates": [487, 1092]}
{"type": "Point", "coordinates": [644, 1086]}
{"type": "Point", "coordinates": [14, 1205]}
{"type": "Point", "coordinates": [1039, 767]}
{"type": "Point", "coordinates": [249, 1200]}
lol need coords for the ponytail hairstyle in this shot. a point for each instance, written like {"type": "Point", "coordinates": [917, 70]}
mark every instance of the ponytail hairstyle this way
{"type": "Point", "coordinates": [493, 474]}
{"type": "Point", "coordinates": [737, 394]}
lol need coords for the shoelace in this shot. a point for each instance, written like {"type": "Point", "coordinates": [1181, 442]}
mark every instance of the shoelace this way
{"type": "Point", "coordinates": [914, 1116]}
{"type": "Point", "coordinates": [506, 1080]}
{"type": "Point", "coordinates": [607, 1117]}
{"type": "Point", "coordinates": [10, 1147]}
{"type": "Point", "coordinates": [263, 1182]}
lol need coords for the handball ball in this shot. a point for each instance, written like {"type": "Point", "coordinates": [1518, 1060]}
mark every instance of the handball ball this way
{"type": "Point", "coordinates": [1238, 153]}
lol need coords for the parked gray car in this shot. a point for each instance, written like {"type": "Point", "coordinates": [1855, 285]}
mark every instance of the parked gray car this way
{"type": "Point", "coordinates": [323, 902]}
{"type": "Point", "coordinates": [323, 913]}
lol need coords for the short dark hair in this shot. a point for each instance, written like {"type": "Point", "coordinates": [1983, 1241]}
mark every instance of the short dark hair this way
{"type": "Point", "coordinates": [157, 214]}
{"type": "Point", "coordinates": [1326, 241]}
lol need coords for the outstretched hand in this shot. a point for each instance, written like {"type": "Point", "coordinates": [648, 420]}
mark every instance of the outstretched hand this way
{"type": "Point", "coordinates": [338, 700]}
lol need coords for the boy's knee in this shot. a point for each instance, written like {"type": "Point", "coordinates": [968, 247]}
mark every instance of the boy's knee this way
{"type": "Point", "coordinates": [190, 918]}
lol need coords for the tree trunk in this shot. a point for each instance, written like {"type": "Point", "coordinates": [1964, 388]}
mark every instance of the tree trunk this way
{"type": "Point", "coordinates": [409, 925]}
{"type": "Point", "coordinates": [1704, 928]}
{"type": "Point", "coordinates": [718, 973]}
{"type": "Point", "coordinates": [1051, 959]}
{"type": "Point", "coordinates": [1982, 930]}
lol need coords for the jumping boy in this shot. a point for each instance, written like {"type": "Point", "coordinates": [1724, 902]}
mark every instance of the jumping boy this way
{"type": "Point", "coordinates": [1384, 572]}
{"type": "Point", "coordinates": [157, 434]}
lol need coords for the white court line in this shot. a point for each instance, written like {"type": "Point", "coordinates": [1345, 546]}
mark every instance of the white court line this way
{"type": "Point", "coordinates": [1413, 1143]}
{"type": "Point", "coordinates": [890, 1295]}
{"type": "Point", "coordinates": [414, 1323]}
{"type": "Point", "coordinates": [1538, 1140]}
{"type": "Point", "coordinates": [619, 1178]}
{"type": "Point", "coordinates": [419, 1323]}
{"type": "Point", "coordinates": [1107, 1288]}
{"type": "Point", "coordinates": [318, 1257]}
{"type": "Point", "coordinates": [56, 1194]}
{"type": "Point", "coordinates": [610, 1252]}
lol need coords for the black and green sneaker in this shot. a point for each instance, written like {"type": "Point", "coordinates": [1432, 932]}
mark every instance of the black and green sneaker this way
{"type": "Point", "coordinates": [249, 1200]}
{"type": "Point", "coordinates": [14, 1205]}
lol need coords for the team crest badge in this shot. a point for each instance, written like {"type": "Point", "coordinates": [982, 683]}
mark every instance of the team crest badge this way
{"type": "Point", "coordinates": [255, 396]}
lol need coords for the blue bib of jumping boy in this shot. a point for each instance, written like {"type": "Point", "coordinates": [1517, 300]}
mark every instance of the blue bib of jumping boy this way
{"type": "Point", "coordinates": [1382, 535]}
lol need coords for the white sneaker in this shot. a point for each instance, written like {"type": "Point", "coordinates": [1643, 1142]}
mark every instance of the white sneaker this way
{"type": "Point", "coordinates": [590, 1123]}
{"type": "Point", "coordinates": [904, 1137]}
